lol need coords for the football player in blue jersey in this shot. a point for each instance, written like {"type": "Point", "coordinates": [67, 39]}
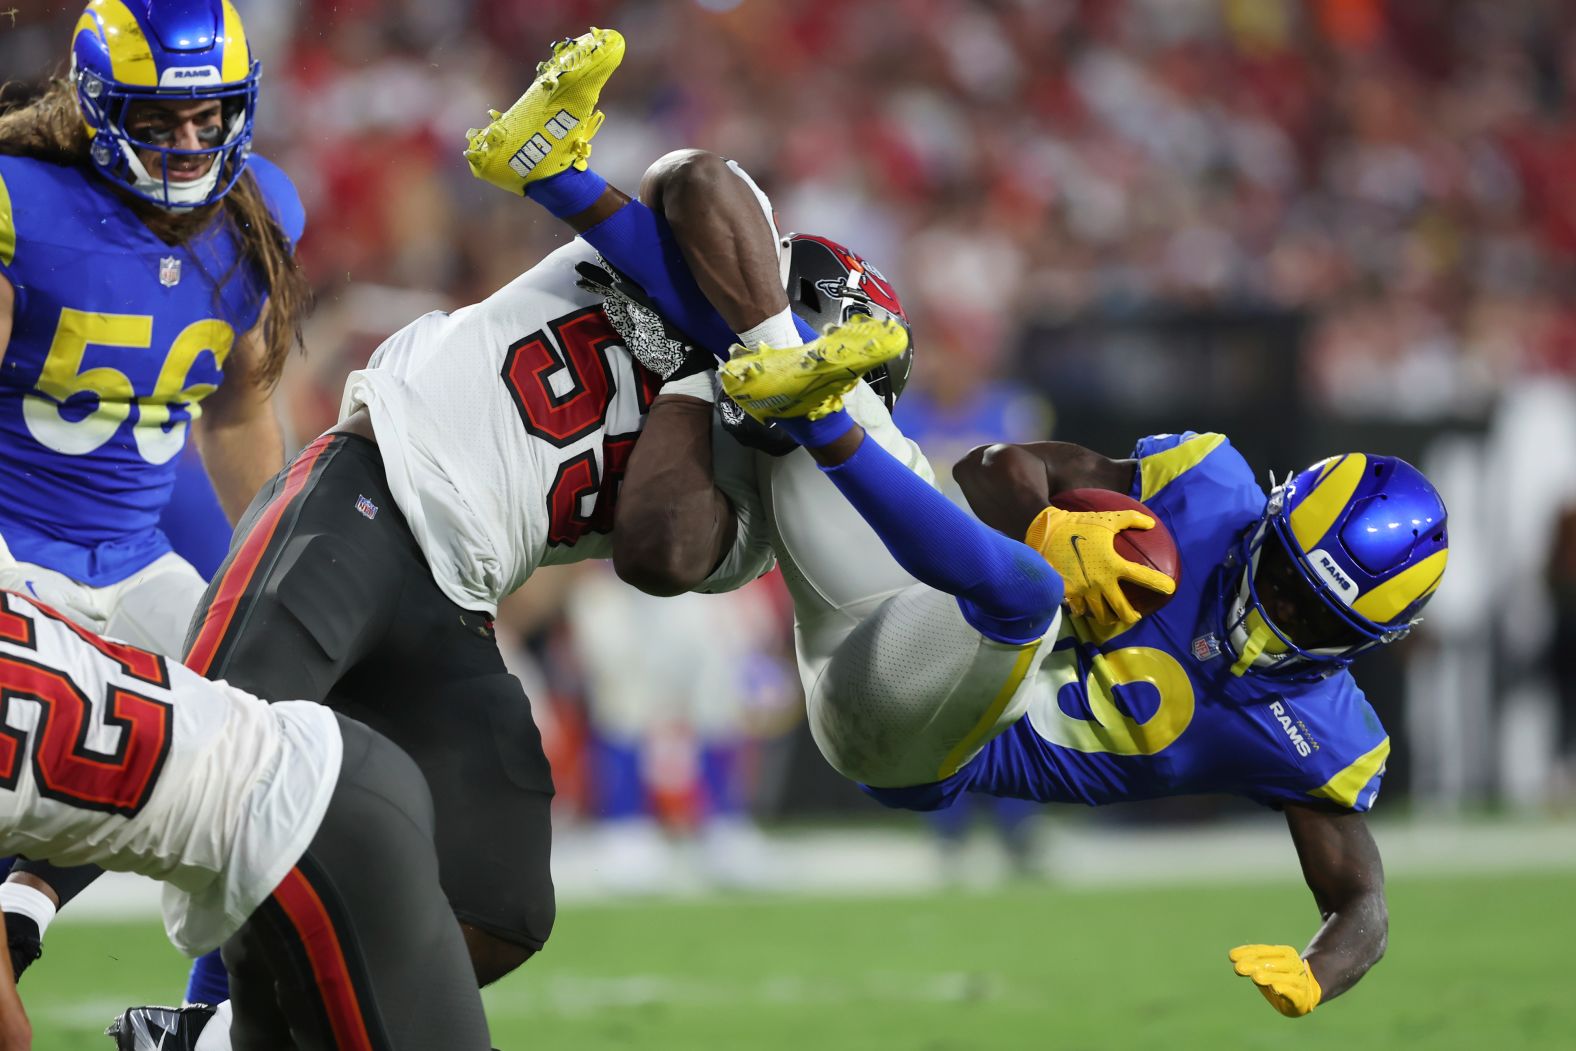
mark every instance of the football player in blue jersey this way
{"type": "Point", "coordinates": [148, 289]}
{"type": "Point", "coordinates": [1239, 684]}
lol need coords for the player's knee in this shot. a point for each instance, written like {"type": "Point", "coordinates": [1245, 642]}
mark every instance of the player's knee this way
{"type": "Point", "coordinates": [683, 179]}
{"type": "Point", "coordinates": [491, 956]}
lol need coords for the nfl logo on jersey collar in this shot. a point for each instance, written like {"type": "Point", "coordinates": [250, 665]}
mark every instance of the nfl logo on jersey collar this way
{"type": "Point", "coordinates": [170, 271]}
{"type": "Point", "coordinates": [1206, 646]}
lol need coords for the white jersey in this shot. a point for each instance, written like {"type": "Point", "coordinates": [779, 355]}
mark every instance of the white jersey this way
{"type": "Point", "coordinates": [505, 427]}
{"type": "Point", "coordinates": [119, 757]}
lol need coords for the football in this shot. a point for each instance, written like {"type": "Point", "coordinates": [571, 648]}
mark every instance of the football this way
{"type": "Point", "coordinates": [1149, 547]}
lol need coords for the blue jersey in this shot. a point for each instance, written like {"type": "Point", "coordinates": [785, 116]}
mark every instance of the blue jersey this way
{"type": "Point", "coordinates": [116, 338]}
{"type": "Point", "coordinates": [1154, 710]}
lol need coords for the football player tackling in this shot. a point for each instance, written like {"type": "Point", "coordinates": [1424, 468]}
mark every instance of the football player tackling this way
{"type": "Point", "coordinates": [298, 839]}
{"type": "Point", "coordinates": [947, 664]}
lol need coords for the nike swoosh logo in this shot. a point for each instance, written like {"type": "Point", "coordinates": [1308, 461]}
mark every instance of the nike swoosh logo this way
{"type": "Point", "coordinates": [1073, 540]}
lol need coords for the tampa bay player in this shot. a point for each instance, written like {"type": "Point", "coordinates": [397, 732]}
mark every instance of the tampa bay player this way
{"type": "Point", "coordinates": [298, 839]}
{"type": "Point", "coordinates": [148, 292]}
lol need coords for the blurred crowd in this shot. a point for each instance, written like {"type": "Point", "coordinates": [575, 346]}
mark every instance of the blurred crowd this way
{"type": "Point", "coordinates": [1396, 171]}
{"type": "Point", "coordinates": [1399, 166]}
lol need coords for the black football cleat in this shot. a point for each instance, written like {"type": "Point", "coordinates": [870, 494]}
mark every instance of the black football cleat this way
{"type": "Point", "coordinates": [160, 1028]}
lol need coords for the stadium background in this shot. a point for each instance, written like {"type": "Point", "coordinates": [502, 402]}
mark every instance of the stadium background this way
{"type": "Point", "coordinates": [1314, 225]}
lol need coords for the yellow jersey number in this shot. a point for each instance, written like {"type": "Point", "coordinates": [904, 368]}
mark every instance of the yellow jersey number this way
{"type": "Point", "coordinates": [64, 376]}
{"type": "Point", "coordinates": [1110, 729]}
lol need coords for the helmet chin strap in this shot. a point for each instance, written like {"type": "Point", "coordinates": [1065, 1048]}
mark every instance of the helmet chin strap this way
{"type": "Point", "coordinates": [1259, 640]}
{"type": "Point", "coordinates": [1250, 636]}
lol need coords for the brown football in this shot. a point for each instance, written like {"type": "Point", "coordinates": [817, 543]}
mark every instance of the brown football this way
{"type": "Point", "coordinates": [1148, 547]}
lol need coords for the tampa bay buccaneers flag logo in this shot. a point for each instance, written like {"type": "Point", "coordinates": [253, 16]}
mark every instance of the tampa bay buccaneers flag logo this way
{"type": "Point", "coordinates": [863, 281]}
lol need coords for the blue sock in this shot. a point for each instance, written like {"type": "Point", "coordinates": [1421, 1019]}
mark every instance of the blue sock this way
{"type": "Point", "coordinates": [1006, 590]}
{"type": "Point", "coordinates": [619, 791]}
{"type": "Point", "coordinates": [568, 193]}
{"type": "Point", "coordinates": [813, 434]}
{"type": "Point", "coordinates": [209, 982]}
{"type": "Point", "coordinates": [640, 243]}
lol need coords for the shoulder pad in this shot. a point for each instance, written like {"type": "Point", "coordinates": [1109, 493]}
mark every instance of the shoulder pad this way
{"type": "Point", "coordinates": [280, 193]}
{"type": "Point", "coordinates": [1164, 458]}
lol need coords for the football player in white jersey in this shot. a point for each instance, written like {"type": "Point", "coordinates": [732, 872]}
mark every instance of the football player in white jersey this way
{"type": "Point", "coordinates": [296, 838]}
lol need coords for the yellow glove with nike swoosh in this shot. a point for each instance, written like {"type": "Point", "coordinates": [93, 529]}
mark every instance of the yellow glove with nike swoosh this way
{"type": "Point", "coordinates": [1081, 546]}
{"type": "Point", "coordinates": [1282, 975]}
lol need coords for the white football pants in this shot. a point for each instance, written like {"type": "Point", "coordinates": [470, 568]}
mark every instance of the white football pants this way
{"type": "Point", "coordinates": [150, 609]}
{"type": "Point", "coordinates": [900, 689]}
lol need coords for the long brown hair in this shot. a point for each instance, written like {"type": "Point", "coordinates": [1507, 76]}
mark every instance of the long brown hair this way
{"type": "Point", "coordinates": [50, 128]}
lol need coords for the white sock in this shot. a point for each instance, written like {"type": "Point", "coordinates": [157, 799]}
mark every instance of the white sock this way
{"type": "Point", "coordinates": [28, 901]}
{"type": "Point", "coordinates": [695, 385]}
{"type": "Point", "coordinates": [776, 331]}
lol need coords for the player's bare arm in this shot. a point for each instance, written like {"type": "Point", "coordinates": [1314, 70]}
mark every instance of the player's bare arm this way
{"type": "Point", "coordinates": [1341, 864]}
{"type": "Point", "coordinates": [16, 1032]}
{"type": "Point", "coordinates": [238, 434]}
{"type": "Point", "coordinates": [673, 524]}
{"type": "Point", "coordinates": [7, 305]}
{"type": "Point", "coordinates": [1008, 485]}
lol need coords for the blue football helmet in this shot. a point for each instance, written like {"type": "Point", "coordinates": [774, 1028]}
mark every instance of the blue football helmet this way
{"type": "Point", "coordinates": [1346, 553]}
{"type": "Point", "coordinates": [125, 51]}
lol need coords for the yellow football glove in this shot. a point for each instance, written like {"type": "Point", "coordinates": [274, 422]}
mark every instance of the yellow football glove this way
{"type": "Point", "coordinates": [1081, 546]}
{"type": "Point", "coordinates": [1282, 975]}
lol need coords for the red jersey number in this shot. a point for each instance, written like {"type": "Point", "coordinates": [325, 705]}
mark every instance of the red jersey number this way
{"type": "Point", "coordinates": [568, 411]}
{"type": "Point", "coordinates": [63, 767]}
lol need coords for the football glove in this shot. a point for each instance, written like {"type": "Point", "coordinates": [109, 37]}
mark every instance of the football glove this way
{"type": "Point", "coordinates": [1282, 975]}
{"type": "Point", "coordinates": [23, 941]}
{"type": "Point", "coordinates": [649, 338]}
{"type": "Point", "coordinates": [1081, 546]}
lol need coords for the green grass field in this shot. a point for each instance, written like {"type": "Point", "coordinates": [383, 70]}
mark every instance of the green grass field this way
{"type": "Point", "coordinates": [1473, 963]}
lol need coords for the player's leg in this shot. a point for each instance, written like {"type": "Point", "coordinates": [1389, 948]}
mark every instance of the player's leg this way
{"type": "Point", "coordinates": [902, 688]}
{"type": "Point", "coordinates": [357, 947]}
{"type": "Point", "coordinates": [304, 592]}
{"type": "Point", "coordinates": [436, 686]}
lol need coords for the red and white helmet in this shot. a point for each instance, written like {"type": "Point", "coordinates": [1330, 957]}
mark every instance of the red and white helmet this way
{"type": "Point", "coordinates": [827, 284]}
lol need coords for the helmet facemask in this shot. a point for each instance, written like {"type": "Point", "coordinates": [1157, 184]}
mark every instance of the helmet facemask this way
{"type": "Point", "coordinates": [115, 148]}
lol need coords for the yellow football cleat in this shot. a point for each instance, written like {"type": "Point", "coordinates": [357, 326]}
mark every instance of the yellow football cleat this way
{"type": "Point", "coordinates": [810, 381]}
{"type": "Point", "coordinates": [550, 127]}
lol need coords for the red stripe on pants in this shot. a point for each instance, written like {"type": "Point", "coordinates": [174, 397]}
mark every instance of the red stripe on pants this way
{"type": "Point", "coordinates": [238, 573]}
{"type": "Point", "coordinates": [312, 924]}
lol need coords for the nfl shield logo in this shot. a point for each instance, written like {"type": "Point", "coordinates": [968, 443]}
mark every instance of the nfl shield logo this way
{"type": "Point", "coordinates": [1206, 646]}
{"type": "Point", "coordinates": [169, 271]}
